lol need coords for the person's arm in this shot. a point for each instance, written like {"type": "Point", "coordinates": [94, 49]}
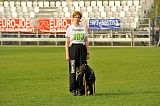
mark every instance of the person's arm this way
{"type": "Point", "coordinates": [67, 48]}
{"type": "Point", "coordinates": [87, 47]}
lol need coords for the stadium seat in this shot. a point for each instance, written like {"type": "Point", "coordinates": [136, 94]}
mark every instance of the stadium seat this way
{"type": "Point", "coordinates": [29, 4]}
{"type": "Point", "coordinates": [1, 4]}
{"type": "Point", "coordinates": [64, 4]}
{"type": "Point", "coordinates": [131, 19]}
{"type": "Point", "coordinates": [117, 3]}
{"type": "Point", "coordinates": [2, 15]}
{"type": "Point", "coordinates": [36, 9]}
{"type": "Point", "coordinates": [30, 9]}
{"type": "Point", "coordinates": [126, 8]}
{"type": "Point", "coordinates": [97, 15]}
{"type": "Point", "coordinates": [99, 3]}
{"type": "Point", "coordinates": [133, 25]}
{"type": "Point", "coordinates": [18, 9]}
{"type": "Point", "coordinates": [32, 15]}
{"type": "Point", "coordinates": [85, 14]}
{"type": "Point", "coordinates": [8, 14]}
{"type": "Point", "coordinates": [71, 9]}
{"type": "Point", "coordinates": [13, 9]}
{"type": "Point", "coordinates": [140, 12]}
{"type": "Point", "coordinates": [142, 1]}
{"type": "Point", "coordinates": [58, 4]}
{"type": "Point", "coordinates": [69, 3]}
{"type": "Point", "coordinates": [20, 14]}
{"type": "Point", "coordinates": [67, 15]}
{"type": "Point", "coordinates": [136, 2]}
{"type": "Point", "coordinates": [152, 2]}
{"type": "Point", "coordinates": [109, 14]}
{"type": "Point", "coordinates": [95, 9]}
{"type": "Point", "coordinates": [115, 14]}
{"type": "Point", "coordinates": [128, 14]}
{"type": "Point", "coordinates": [132, 8]}
{"type": "Point", "coordinates": [122, 14]}
{"type": "Point", "coordinates": [59, 9]}
{"type": "Point", "coordinates": [11, 3]}
{"type": "Point", "coordinates": [18, 4]}
{"type": "Point", "coordinates": [121, 25]}
{"type": "Point", "coordinates": [14, 14]}
{"type": "Point", "coordinates": [6, 3]}
{"type": "Point", "coordinates": [103, 14]}
{"type": "Point", "coordinates": [107, 8]}
{"type": "Point", "coordinates": [46, 3]}
{"type": "Point", "coordinates": [52, 3]}
{"type": "Point", "coordinates": [136, 19]}
{"type": "Point", "coordinates": [24, 9]}
{"type": "Point", "coordinates": [65, 9]}
{"type": "Point", "coordinates": [35, 4]}
{"type": "Point", "coordinates": [40, 4]}
{"type": "Point", "coordinates": [124, 20]}
{"type": "Point", "coordinates": [113, 8]}
{"type": "Point", "coordinates": [119, 8]}
{"type": "Point", "coordinates": [77, 9]}
{"type": "Point", "coordinates": [145, 6]}
{"type": "Point", "coordinates": [23, 4]}
{"type": "Point", "coordinates": [91, 14]}
{"type": "Point", "coordinates": [75, 4]}
{"type": "Point", "coordinates": [127, 25]}
{"type": "Point", "coordinates": [123, 3]}
{"type": "Point", "coordinates": [87, 3]}
{"type": "Point", "coordinates": [83, 9]}
{"type": "Point", "coordinates": [111, 3]}
{"type": "Point", "coordinates": [93, 3]}
{"type": "Point", "coordinates": [61, 14]}
{"type": "Point", "coordinates": [55, 14]}
{"type": "Point", "coordinates": [1, 9]}
{"type": "Point", "coordinates": [101, 9]}
{"type": "Point", "coordinates": [134, 14]}
{"type": "Point", "coordinates": [81, 3]}
{"type": "Point", "coordinates": [129, 3]}
{"type": "Point", "coordinates": [25, 15]}
{"type": "Point", "coordinates": [89, 9]}
{"type": "Point", "coordinates": [7, 9]}
{"type": "Point", "coordinates": [105, 3]}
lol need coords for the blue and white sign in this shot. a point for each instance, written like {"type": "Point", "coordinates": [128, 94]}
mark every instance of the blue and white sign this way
{"type": "Point", "coordinates": [158, 16]}
{"type": "Point", "coordinates": [104, 24]}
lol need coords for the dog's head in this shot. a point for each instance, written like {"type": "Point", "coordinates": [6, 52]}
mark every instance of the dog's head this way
{"type": "Point", "coordinates": [89, 73]}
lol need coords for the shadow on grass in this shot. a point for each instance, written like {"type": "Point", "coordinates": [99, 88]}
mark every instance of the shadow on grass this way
{"type": "Point", "coordinates": [127, 93]}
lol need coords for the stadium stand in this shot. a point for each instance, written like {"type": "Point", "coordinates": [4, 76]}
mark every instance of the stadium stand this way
{"type": "Point", "coordinates": [133, 14]}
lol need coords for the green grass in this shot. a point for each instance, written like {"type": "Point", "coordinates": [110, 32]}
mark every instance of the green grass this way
{"type": "Point", "coordinates": [38, 76]}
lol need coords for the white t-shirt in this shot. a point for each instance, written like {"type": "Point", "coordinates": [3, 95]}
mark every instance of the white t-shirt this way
{"type": "Point", "coordinates": [76, 34]}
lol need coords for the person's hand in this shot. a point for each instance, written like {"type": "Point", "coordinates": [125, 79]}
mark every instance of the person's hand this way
{"type": "Point", "coordinates": [87, 56]}
{"type": "Point", "coordinates": [67, 58]}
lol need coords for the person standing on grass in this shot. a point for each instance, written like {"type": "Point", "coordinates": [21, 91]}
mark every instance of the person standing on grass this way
{"type": "Point", "coordinates": [77, 52]}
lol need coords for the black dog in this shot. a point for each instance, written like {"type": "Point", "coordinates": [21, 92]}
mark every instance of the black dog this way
{"type": "Point", "coordinates": [89, 81]}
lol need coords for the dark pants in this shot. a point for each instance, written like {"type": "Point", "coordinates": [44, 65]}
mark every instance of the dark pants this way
{"type": "Point", "coordinates": [77, 53]}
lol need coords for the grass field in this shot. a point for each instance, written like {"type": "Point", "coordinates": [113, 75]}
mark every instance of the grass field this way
{"type": "Point", "coordinates": [38, 76]}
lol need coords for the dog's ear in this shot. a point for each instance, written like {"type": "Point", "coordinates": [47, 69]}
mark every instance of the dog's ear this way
{"type": "Point", "coordinates": [87, 66]}
{"type": "Point", "coordinates": [82, 67]}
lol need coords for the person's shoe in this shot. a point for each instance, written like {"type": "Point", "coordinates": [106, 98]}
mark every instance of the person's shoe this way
{"type": "Point", "coordinates": [73, 93]}
{"type": "Point", "coordinates": [79, 94]}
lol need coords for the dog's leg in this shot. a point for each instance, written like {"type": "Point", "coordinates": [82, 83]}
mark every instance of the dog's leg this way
{"type": "Point", "coordinates": [93, 86]}
{"type": "Point", "coordinates": [85, 87]}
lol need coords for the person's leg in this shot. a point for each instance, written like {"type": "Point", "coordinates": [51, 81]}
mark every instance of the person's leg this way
{"type": "Point", "coordinates": [72, 77]}
{"type": "Point", "coordinates": [81, 64]}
